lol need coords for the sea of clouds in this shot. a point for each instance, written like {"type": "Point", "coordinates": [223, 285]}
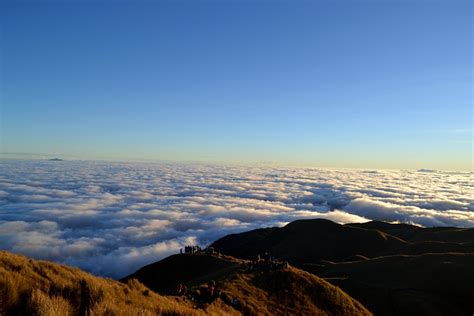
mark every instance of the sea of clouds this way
{"type": "Point", "coordinates": [112, 218]}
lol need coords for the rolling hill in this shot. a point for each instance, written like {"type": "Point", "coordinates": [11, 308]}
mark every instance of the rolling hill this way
{"type": "Point", "coordinates": [393, 269]}
{"type": "Point", "coordinates": [427, 284]}
{"type": "Point", "coordinates": [309, 241]}
{"type": "Point", "coordinates": [288, 291]}
{"type": "Point", "coordinates": [35, 287]}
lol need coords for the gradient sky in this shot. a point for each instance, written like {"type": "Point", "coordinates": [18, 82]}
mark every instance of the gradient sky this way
{"type": "Point", "coordinates": [372, 84]}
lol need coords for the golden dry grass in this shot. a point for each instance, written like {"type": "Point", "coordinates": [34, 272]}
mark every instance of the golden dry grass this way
{"type": "Point", "coordinates": [258, 291]}
{"type": "Point", "coordinates": [33, 287]}
{"type": "Point", "coordinates": [289, 292]}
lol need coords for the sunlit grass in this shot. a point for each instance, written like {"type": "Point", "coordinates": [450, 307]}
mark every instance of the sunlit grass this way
{"type": "Point", "coordinates": [30, 287]}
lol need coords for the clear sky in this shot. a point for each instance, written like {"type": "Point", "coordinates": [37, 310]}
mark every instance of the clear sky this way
{"type": "Point", "coordinates": [372, 84]}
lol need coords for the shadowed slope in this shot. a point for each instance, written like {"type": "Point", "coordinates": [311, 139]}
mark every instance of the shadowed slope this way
{"type": "Point", "coordinates": [390, 268]}
{"type": "Point", "coordinates": [309, 241]}
{"type": "Point", "coordinates": [163, 276]}
{"type": "Point", "coordinates": [417, 234]}
{"type": "Point", "coordinates": [403, 231]}
{"type": "Point", "coordinates": [306, 241]}
{"type": "Point", "coordinates": [428, 284]}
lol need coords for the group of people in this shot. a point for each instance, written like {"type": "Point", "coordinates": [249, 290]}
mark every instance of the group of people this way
{"type": "Point", "coordinates": [197, 250]}
{"type": "Point", "coordinates": [206, 294]}
{"type": "Point", "coordinates": [190, 250]}
{"type": "Point", "coordinates": [267, 262]}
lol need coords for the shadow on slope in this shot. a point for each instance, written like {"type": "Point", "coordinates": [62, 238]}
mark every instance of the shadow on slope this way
{"type": "Point", "coordinates": [412, 233]}
{"type": "Point", "coordinates": [428, 284]}
{"type": "Point", "coordinates": [309, 241]}
{"type": "Point", "coordinates": [390, 268]}
{"type": "Point", "coordinates": [163, 276]}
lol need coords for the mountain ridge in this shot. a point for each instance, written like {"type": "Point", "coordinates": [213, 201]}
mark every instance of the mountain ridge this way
{"type": "Point", "coordinates": [339, 252]}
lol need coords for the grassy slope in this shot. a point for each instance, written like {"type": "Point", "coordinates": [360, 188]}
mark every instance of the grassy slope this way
{"type": "Point", "coordinates": [34, 287]}
{"type": "Point", "coordinates": [285, 292]}
{"type": "Point", "coordinates": [44, 288]}
{"type": "Point", "coordinates": [290, 292]}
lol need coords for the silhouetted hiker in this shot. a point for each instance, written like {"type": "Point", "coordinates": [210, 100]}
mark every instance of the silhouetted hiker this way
{"type": "Point", "coordinates": [196, 295]}
{"type": "Point", "coordinates": [192, 249]}
{"type": "Point", "coordinates": [210, 251]}
{"type": "Point", "coordinates": [211, 287]}
{"type": "Point", "coordinates": [180, 289]}
{"type": "Point", "coordinates": [257, 258]}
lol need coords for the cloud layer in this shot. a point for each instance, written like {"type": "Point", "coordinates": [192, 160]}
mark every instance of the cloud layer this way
{"type": "Point", "coordinates": [112, 218]}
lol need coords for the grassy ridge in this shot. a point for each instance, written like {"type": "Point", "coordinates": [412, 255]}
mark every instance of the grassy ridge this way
{"type": "Point", "coordinates": [259, 292]}
{"type": "Point", "coordinates": [397, 269]}
{"type": "Point", "coordinates": [34, 287]}
{"type": "Point", "coordinates": [291, 292]}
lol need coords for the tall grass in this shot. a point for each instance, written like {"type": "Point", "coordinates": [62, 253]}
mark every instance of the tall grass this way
{"type": "Point", "coordinates": [31, 287]}
{"type": "Point", "coordinates": [42, 304]}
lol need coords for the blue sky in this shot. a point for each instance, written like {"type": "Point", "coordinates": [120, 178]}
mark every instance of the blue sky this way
{"type": "Point", "coordinates": [345, 84]}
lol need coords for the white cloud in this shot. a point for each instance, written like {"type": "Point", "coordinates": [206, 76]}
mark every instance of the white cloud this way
{"type": "Point", "coordinates": [384, 211]}
{"type": "Point", "coordinates": [112, 218]}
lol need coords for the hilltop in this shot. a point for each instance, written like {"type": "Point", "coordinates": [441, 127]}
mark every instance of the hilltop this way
{"type": "Point", "coordinates": [390, 268]}
{"type": "Point", "coordinates": [163, 276]}
{"type": "Point", "coordinates": [258, 291]}
{"type": "Point", "coordinates": [309, 241]}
